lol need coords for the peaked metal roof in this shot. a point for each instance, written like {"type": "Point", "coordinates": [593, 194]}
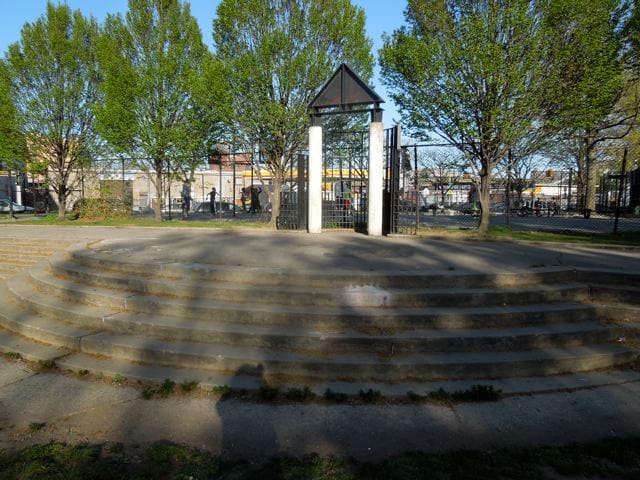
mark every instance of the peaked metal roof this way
{"type": "Point", "coordinates": [345, 89]}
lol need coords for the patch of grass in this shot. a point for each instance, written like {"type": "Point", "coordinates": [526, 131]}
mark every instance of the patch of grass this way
{"type": "Point", "coordinates": [221, 390]}
{"type": "Point", "coordinates": [46, 364]}
{"type": "Point", "coordinates": [610, 458]}
{"type": "Point", "coordinates": [116, 448]}
{"type": "Point", "coordinates": [478, 393]}
{"type": "Point", "coordinates": [166, 388]}
{"type": "Point", "coordinates": [336, 397]}
{"type": "Point", "coordinates": [143, 221]}
{"type": "Point", "coordinates": [370, 396]}
{"type": "Point", "coordinates": [83, 372]}
{"type": "Point", "coordinates": [502, 232]}
{"type": "Point", "coordinates": [268, 393]}
{"type": "Point", "coordinates": [118, 379]}
{"type": "Point", "coordinates": [13, 355]}
{"type": "Point", "coordinates": [439, 396]}
{"type": "Point", "coordinates": [36, 426]}
{"type": "Point", "coordinates": [299, 394]}
{"type": "Point", "coordinates": [147, 393]}
{"type": "Point", "coordinates": [187, 387]}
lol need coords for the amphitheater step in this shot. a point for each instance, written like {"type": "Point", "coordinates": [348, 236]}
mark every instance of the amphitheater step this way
{"type": "Point", "coordinates": [18, 346]}
{"type": "Point", "coordinates": [109, 367]}
{"type": "Point", "coordinates": [615, 294]}
{"type": "Point", "coordinates": [357, 367]}
{"type": "Point", "coordinates": [362, 296]}
{"type": "Point", "coordinates": [38, 328]}
{"type": "Point", "coordinates": [215, 275]}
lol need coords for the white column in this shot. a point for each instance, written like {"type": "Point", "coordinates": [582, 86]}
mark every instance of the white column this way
{"type": "Point", "coordinates": [376, 176]}
{"type": "Point", "coordinates": [314, 217]}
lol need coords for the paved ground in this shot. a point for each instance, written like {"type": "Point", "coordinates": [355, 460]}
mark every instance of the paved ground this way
{"type": "Point", "coordinates": [76, 409]}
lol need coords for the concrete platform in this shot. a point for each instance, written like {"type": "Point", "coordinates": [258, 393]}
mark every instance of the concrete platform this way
{"type": "Point", "coordinates": [555, 409]}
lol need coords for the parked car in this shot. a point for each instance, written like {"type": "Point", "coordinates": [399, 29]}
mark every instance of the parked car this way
{"type": "Point", "coordinates": [4, 207]}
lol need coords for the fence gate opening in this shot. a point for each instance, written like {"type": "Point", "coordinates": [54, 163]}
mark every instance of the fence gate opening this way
{"type": "Point", "coordinates": [293, 199]}
{"type": "Point", "coordinates": [345, 163]}
{"type": "Point", "coordinates": [401, 205]}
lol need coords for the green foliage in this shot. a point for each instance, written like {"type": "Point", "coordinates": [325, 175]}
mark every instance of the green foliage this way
{"type": "Point", "coordinates": [221, 390]}
{"type": "Point", "coordinates": [12, 142]}
{"type": "Point", "coordinates": [36, 426]}
{"type": "Point", "coordinates": [54, 85]}
{"type": "Point", "coordinates": [299, 394]}
{"type": "Point", "coordinates": [370, 396]}
{"type": "Point", "coordinates": [148, 393]}
{"type": "Point", "coordinates": [268, 393]}
{"type": "Point", "coordinates": [189, 386]}
{"type": "Point", "coordinates": [609, 458]}
{"type": "Point", "coordinates": [101, 208]}
{"type": "Point", "coordinates": [276, 56]}
{"type": "Point", "coordinates": [155, 65]}
{"type": "Point", "coordinates": [167, 388]}
{"type": "Point", "coordinates": [118, 379]}
{"type": "Point", "coordinates": [336, 397]}
{"type": "Point", "coordinates": [471, 72]}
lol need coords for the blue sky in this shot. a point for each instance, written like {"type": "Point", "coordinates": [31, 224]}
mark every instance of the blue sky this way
{"type": "Point", "coordinates": [382, 16]}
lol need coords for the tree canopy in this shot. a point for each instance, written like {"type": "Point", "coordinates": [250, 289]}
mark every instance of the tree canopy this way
{"type": "Point", "coordinates": [471, 72]}
{"type": "Point", "coordinates": [152, 62]}
{"type": "Point", "coordinates": [54, 77]}
{"type": "Point", "coordinates": [276, 55]}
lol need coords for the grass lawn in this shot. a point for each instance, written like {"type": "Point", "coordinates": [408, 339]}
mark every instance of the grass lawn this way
{"type": "Point", "coordinates": [506, 233]}
{"type": "Point", "coordinates": [52, 219]}
{"type": "Point", "coordinates": [613, 458]}
{"type": "Point", "coordinates": [495, 233]}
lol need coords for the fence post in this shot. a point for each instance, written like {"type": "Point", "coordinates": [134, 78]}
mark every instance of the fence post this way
{"type": "Point", "coordinates": [623, 175]}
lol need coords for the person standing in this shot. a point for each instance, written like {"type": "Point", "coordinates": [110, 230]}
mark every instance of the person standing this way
{"type": "Point", "coordinates": [186, 200]}
{"type": "Point", "coordinates": [212, 204]}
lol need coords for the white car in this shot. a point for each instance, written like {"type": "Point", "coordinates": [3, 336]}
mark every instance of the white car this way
{"type": "Point", "coordinates": [4, 207]}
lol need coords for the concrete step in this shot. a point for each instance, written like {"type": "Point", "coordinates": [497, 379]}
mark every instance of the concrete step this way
{"type": "Point", "coordinates": [13, 344]}
{"type": "Point", "coordinates": [366, 296]}
{"type": "Point", "coordinates": [207, 379]}
{"type": "Point", "coordinates": [204, 274]}
{"type": "Point", "coordinates": [92, 304]}
{"type": "Point", "coordinates": [351, 341]}
{"type": "Point", "coordinates": [49, 306]}
{"type": "Point", "coordinates": [615, 294]}
{"type": "Point", "coordinates": [392, 369]}
{"type": "Point", "coordinates": [292, 338]}
{"type": "Point", "coordinates": [35, 327]}
{"type": "Point", "coordinates": [607, 277]}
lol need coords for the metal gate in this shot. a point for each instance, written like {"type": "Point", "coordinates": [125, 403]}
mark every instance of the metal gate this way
{"type": "Point", "coordinates": [293, 198]}
{"type": "Point", "coordinates": [401, 206]}
{"type": "Point", "coordinates": [345, 166]}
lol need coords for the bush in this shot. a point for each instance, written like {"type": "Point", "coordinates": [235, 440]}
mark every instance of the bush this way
{"type": "Point", "coordinates": [101, 208]}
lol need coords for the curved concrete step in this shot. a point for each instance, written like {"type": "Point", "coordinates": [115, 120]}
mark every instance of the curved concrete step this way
{"type": "Point", "coordinates": [92, 302]}
{"type": "Point", "coordinates": [34, 327]}
{"type": "Point", "coordinates": [366, 296]}
{"type": "Point", "coordinates": [419, 367]}
{"type": "Point", "coordinates": [206, 379]}
{"type": "Point", "coordinates": [304, 340]}
{"type": "Point", "coordinates": [264, 276]}
{"type": "Point", "coordinates": [15, 345]}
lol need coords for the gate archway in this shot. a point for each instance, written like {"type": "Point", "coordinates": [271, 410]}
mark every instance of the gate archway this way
{"type": "Point", "coordinates": [330, 197]}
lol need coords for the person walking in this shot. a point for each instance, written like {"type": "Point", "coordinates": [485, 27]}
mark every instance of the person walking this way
{"type": "Point", "coordinates": [212, 204]}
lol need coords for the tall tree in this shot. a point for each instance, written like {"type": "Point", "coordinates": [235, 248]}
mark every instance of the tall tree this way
{"type": "Point", "coordinates": [54, 78]}
{"type": "Point", "coordinates": [150, 60]}
{"type": "Point", "coordinates": [586, 88]}
{"type": "Point", "coordinates": [472, 73]}
{"type": "Point", "coordinates": [277, 53]}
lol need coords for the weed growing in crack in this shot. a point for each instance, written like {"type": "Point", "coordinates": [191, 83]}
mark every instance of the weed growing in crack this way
{"type": "Point", "coordinates": [166, 388]}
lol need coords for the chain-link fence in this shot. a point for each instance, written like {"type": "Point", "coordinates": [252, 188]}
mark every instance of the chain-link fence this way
{"type": "Point", "coordinates": [539, 198]}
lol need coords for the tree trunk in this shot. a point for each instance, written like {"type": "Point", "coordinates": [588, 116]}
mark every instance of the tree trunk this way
{"type": "Point", "coordinates": [274, 197]}
{"type": "Point", "coordinates": [485, 200]}
{"type": "Point", "coordinates": [160, 194]}
{"type": "Point", "coordinates": [590, 174]}
{"type": "Point", "coordinates": [62, 204]}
